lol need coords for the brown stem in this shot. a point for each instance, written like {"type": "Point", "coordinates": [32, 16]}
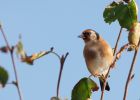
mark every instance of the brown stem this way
{"type": "Point", "coordinates": [5, 39]}
{"type": "Point", "coordinates": [13, 62]}
{"type": "Point", "coordinates": [116, 46]}
{"type": "Point", "coordinates": [130, 71]}
{"type": "Point", "coordinates": [62, 61]}
{"type": "Point", "coordinates": [102, 94]}
{"type": "Point", "coordinates": [115, 49]}
{"type": "Point", "coordinates": [16, 76]}
{"type": "Point", "coordinates": [118, 54]}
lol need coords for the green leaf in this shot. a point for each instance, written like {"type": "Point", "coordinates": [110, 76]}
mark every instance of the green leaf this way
{"type": "Point", "coordinates": [83, 89]}
{"type": "Point", "coordinates": [109, 13]}
{"type": "Point", "coordinates": [126, 14]}
{"type": "Point", "coordinates": [3, 76]}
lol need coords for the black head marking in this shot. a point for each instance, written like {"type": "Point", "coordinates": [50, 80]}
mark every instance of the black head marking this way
{"type": "Point", "coordinates": [98, 36]}
{"type": "Point", "coordinates": [86, 34]}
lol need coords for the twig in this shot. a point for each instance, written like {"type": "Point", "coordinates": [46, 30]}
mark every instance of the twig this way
{"type": "Point", "coordinates": [62, 61]}
{"type": "Point", "coordinates": [5, 39]}
{"type": "Point", "coordinates": [13, 62]}
{"type": "Point", "coordinates": [56, 55]}
{"type": "Point", "coordinates": [118, 54]}
{"type": "Point", "coordinates": [116, 45]}
{"type": "Point", "coordinates": [130, 71]}
{"type": "Point", "coordinates": [115, 49]}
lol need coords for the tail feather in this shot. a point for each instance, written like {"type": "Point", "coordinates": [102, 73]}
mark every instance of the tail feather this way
{"type": "Point", "coordinates": [102, 84]}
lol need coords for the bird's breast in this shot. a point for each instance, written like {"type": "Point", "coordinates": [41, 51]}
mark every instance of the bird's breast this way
{"type": "Point", "coordinates": [98, 59]}
{"type": "Point", "coordinates": [98, 66]}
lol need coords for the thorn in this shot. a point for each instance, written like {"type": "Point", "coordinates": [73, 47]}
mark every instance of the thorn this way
{"type": "Point", "coordinates": [132, 76]}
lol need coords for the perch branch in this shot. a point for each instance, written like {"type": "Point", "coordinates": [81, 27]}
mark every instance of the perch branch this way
{"type": "Point", "coordinates": [115, 49]}
{"type": "Point", "coordinates": [118, 54]}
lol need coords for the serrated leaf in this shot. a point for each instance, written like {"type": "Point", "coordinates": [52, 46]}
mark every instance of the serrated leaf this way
{"type": "Point", "coordinates": [30, 59]}
{"type": "Point", "coordinates": [109, 13]}
{"type": "Point", "coordinates": [3, 76]}
{"type": "Point", "coordinates": [83, 89]}
{"type": "Point", "coordinates": [126, 14]}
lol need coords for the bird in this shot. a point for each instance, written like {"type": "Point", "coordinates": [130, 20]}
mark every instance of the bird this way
{"type": "Point", "coordinates": [98, 55]}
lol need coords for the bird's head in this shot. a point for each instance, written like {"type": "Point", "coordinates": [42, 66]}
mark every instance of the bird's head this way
{"type": "Point", "coordinates": [89, 35]}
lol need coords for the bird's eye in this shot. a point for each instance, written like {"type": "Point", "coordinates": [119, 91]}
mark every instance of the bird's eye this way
{"type": "Point", "coordinates": [86, 34]}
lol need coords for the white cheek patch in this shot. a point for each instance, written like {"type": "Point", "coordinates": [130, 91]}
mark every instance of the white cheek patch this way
{"type": "Point", "coordinates": [93, 35]}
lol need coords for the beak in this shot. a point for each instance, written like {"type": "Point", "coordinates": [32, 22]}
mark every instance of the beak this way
{"type": "Point", "coordinates": [81, 36]}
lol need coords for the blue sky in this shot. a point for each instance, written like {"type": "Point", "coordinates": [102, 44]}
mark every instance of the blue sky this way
{"type": "Point", "coordinates": [57, 23]}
